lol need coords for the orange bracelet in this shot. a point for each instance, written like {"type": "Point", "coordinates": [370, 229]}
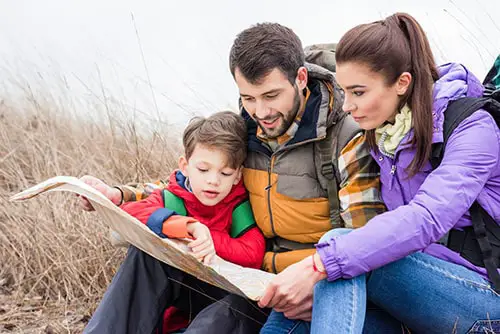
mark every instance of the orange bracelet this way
{"type": "Point", "coordinates": [316, 268]}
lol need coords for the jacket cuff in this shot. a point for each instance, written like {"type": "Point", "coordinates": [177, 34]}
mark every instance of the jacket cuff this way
{"type": "Point", "coordinates": [175, 227]}
{"type": "Point", "coordinates": [327, 253]}
{"type": "Point", "coordinates": [155, 221]}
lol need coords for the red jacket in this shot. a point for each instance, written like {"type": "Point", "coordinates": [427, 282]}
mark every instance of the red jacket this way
{"type": "Point", "coordinates": [247, 250]}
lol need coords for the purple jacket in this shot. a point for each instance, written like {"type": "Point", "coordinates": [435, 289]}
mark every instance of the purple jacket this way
{"type": "Point", "coordinates": [424, 208]}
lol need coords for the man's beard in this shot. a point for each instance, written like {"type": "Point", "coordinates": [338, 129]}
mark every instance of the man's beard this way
{"type": "Point", "coordinates": [286, 121]}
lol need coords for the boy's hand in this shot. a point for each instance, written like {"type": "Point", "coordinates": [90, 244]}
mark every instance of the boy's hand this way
{"type": "Point", "coordinates": [203, 245]}
{"type": "Point", "coordinates": [113, 194]}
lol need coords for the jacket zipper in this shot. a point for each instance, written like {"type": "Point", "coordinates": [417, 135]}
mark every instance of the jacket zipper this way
{"type": "Point", "coordinates": [269, 171]}
{"type": "Point", "coordinates": [268, 189]}
{"type": "Point", "coordinates": [395, 175]}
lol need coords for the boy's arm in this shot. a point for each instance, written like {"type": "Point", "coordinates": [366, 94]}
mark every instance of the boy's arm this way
{"type": "Point", "coordinates": [152, 212]}
{"type": "Point", "coordinates": [246, 250]}
{"type": "Point", "coordinates": [359, 192]}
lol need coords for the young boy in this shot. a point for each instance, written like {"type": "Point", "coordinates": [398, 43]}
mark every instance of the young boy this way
{"type": "Point", "coordinates": [209, 188]}
{"type": "Point", "coordinates": [209, 183]}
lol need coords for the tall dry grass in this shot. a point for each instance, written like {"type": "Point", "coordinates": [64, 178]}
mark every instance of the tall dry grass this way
{"type": "Point", "coordinates": [56, 260]}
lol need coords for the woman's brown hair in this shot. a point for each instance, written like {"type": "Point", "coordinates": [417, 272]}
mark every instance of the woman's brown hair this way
{"type": "Point", "coordinates": [392, 46]}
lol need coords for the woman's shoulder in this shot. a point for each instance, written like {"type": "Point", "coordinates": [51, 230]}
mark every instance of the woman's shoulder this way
{"type": "Point", "coordinates": [480, 120]}
{"type": "Point", "coordinates": [479, 130]}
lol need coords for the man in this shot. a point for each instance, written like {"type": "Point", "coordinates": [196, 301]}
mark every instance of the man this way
{"type": "Point", "coordinates": [297, 192]}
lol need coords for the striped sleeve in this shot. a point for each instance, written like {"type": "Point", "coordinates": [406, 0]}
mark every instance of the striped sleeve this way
{"type": "Point", "coordinates": [359, 193]}
{"type": "Point", "coordinates": [137, 191]}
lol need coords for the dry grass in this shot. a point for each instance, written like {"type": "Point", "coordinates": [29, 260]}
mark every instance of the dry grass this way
{"type": "Point", "coordinates": [55, 259]}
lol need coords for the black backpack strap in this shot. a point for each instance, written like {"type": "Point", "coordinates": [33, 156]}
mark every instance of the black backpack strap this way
{"type": "Point", "coordinates": [482, 223]}
{"type": "Point", "coordinates": [479, 244]}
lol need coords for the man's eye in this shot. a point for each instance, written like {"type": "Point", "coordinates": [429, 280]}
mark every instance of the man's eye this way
{"type": "Point", "coordinates": [248, 99]}
{"type": "Point", "coordinates": [271, 96]}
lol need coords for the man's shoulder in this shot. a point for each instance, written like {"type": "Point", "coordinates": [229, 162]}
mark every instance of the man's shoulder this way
{"type": "Point", "coordinates": [349, 130]}
{"type": "Point", "coordinates": [342, 133]}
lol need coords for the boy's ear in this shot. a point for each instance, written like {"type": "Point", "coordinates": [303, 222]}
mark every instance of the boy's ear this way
{"type": "Point", "coordinates": [183, 163]}
{"type": "Point", "coordinates": [238, 176]}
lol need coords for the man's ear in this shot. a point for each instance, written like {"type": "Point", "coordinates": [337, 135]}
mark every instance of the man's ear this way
{"type": "Point", "coordinates": [403, 83]}
{"type": "Point", "coordinates": [238, 177]}
{"type": "Point", "coordinates": [301, 79]}
{"type": "Point", "coordinates": [183, 163]}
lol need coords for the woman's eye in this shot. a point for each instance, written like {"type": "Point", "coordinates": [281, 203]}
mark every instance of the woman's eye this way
{"type": "Point", "coordinates": [226, 174]}
{"type": "Point", "coordinates": [358, 93]}
{"type": "Point", "coordinates": [203, 170]}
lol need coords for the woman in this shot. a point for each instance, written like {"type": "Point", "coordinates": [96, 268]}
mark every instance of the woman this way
{"type": "Point", "coordinates": [395, 92]}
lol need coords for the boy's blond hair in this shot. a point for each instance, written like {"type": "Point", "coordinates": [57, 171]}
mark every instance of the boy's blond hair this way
{"type": "Point", "coordinates": [225, 131]}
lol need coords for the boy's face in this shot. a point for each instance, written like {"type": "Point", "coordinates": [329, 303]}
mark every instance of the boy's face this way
{"type": "Point", "coordinates": [210, 178]}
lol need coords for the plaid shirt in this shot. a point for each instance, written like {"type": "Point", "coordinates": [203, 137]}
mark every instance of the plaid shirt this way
{"type": "Point", "coordinates": [359, 194]}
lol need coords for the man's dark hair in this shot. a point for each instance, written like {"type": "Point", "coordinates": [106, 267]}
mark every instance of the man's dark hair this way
{"type": "Point", "coordinates": [258, 50]}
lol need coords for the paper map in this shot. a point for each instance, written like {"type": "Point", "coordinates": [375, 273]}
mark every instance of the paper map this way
{"type": "Point", "coordinates": [246, 282]}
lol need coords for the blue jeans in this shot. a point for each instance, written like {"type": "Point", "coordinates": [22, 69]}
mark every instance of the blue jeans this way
{"type": "Point", "coordinates": [376, 321]}
{"type": "Point", "coordinates": [428, 294]}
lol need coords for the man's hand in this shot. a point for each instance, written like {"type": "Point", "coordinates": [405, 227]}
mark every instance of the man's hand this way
{"type": "Point", "coordinates": [203, 245]}
{"type": "Point", "coordinates": [291, 291]}
{"type": "Point", "coordinates": [113, 194]}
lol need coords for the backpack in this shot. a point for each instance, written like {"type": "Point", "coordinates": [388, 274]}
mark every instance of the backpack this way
{"type": "Point", "coordinates": [322, 55]}
{"type": "Point", "coordinates": [492, 79]}
{"type": "Point", "coordinates": [479, 243]}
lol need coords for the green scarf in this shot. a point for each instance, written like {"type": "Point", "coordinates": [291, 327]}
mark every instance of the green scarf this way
{"type": "Point", "coordinates": [388, 136]}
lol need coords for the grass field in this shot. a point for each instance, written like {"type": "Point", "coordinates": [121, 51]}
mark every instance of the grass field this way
{"type": "Point", "coordinates": [56, 260]}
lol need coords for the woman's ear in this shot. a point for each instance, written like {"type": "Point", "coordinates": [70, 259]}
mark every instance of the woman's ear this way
{"type": "Point", "coordinates": [403, 83]}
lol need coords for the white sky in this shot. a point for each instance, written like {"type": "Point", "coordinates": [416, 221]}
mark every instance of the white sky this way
{"type": "Point", "coordinates": [91, 47]}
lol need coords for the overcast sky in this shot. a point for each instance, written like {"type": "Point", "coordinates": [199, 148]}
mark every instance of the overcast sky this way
{"type": "Point", "coordinates": [92, 46]}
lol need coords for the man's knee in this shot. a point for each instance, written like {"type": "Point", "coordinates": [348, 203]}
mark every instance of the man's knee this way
{"type": "Point", "coordinates": [334, 233]}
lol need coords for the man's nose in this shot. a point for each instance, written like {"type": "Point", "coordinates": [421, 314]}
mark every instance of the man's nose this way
{"type": "Point", "coordinates": [261, 110]}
